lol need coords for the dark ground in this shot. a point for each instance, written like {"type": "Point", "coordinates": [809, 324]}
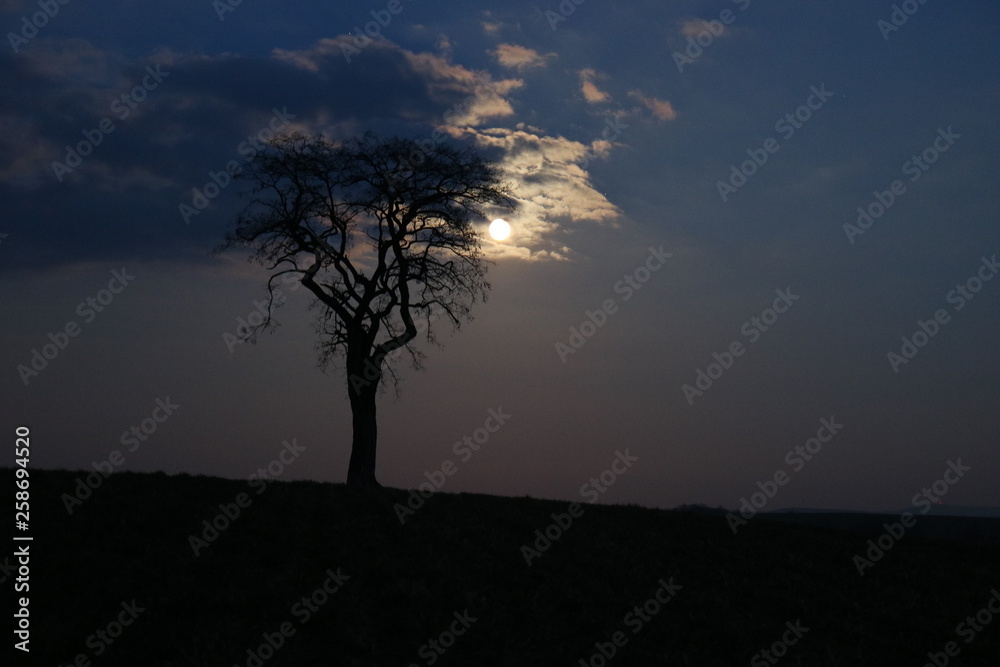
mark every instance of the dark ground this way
{"type": "Point", "coordinates": [459, 555]}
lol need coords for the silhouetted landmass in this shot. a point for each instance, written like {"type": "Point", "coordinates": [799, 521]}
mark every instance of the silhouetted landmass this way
{"type": "Point", "coordinates": [459, 557]}
{"type": "Point", "coordinates": [933, 526]}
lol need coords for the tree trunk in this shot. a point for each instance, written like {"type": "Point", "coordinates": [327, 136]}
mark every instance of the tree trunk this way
{"type": "Point", "coordinates": [363, 389]}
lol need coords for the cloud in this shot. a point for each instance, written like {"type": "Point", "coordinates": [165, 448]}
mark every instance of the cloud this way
{"type": "Point", "coordinates": [591, 92]}
{"type": "Point", "coordinates": [471, 96]}
{"type": "Point", "coordinates": [661, 109]}
{"type": "Point", "coordinates": [192, 125]}
{"type": "Point", "coordinates": [554, 190]}
{"type": "Point", "coordinates": [520, 58]}
{"type": "Point", "coordinates": [547, 173]}
{"type": "Point", "coordinates": [694, 27]}
{"type": "Point", "coordinates": [492, 27]}
{"type": "Point", "coordinates": [313, 59]}
{"type": "Point", "coordinates": [28, 154]}
{"type": "Point", "coordinates": [483, 97]}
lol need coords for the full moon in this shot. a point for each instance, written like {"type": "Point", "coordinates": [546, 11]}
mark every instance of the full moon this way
{"type": "Point", "coordinates": [499, 229]}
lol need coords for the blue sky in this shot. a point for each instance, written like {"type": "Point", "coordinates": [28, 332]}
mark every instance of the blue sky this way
{"type": "Point", "coordinates": [613, 149]}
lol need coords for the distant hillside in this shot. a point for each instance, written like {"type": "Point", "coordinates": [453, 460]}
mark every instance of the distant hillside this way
{"type": "Point", "coordinates": [320, 574]}
{"type": "Point", "coordinates": [971, 524]}
{"type": "Point", "coordinates": [930, 510]}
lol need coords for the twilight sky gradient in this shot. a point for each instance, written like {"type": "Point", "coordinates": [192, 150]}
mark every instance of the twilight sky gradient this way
{"type": "Point", "coordinates": [741, 148]}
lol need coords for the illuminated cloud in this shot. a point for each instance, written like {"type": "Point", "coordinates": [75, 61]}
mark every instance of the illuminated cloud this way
{"type": "Point", "coordinates": [191, 127]}
{"type": "Point", "coordinates": [547, 173]}
{"type": "Point", "coordinates": [479, 96]}
{"type": "Point", "coordinates": [520, 58]}
{"type": "Point", "coordinates": [591, 92]}
{"type": "Point", "coordinates": [554, 190]}
{"type": "Point", "coordinates": [312, 59]}
{"type": "Point", "coordinates": [661, 109]}
{"type": "Point", "coordinates": [485, 97]}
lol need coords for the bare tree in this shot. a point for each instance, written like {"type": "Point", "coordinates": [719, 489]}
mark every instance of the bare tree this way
{"type": "Point", "coordinates": [380, 232]}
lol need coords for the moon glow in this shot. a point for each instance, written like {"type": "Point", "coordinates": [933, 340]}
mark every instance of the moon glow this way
{"type": "Point", "coordinates": [499, 229]}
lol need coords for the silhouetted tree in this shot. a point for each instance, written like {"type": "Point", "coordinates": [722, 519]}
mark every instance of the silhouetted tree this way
{"type": "Point", "coordinates": [379, 231]}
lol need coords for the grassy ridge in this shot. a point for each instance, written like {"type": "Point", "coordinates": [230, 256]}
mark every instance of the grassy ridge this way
{"type": "Point", "coordinates": [460, 554]}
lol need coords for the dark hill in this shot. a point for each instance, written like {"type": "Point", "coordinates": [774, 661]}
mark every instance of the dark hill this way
{"type": "Point", "coordinates": [459, 558]}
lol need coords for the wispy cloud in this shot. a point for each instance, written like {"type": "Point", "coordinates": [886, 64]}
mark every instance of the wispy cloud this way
{"type": "Point", "coordinates": [591, 92]}
{"type": "Point", "coordinates": [444, 44]}
{"type": "Point", "coordinates": [519, 57]}
{"type": "Point", "coordinates": [661, 109]}
{"type": "Point", "coordinates": [694, 27]}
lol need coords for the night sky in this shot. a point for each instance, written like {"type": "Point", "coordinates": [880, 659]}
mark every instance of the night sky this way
{"type": "Point", "coordinates": [731, 237]}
